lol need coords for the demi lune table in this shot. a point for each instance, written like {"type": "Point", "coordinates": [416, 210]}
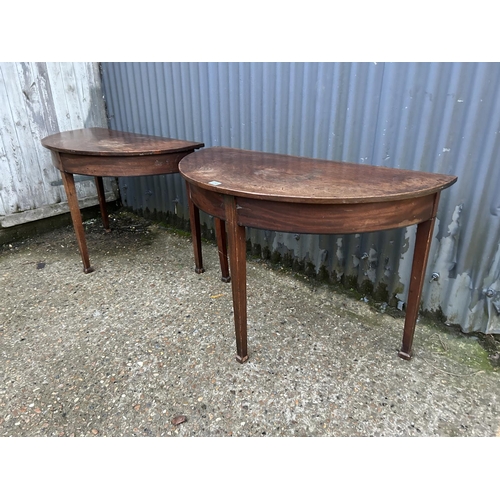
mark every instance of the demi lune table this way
{"type": "Point", "coordinates": [277, 192]}
{"type": "Point", "coordinates": [101, 152]}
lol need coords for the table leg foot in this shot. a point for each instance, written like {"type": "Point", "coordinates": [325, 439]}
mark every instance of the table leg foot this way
{"type": "Point", "coordinates": [404, 355]}
{"type": "Point", "coordinates": [241, 360]}
{"type": "Point", "coordinates": [199, 270]}
{"type": "Point", "coordinates": [88, 270]}
{"type": "Point", "coordinates": [226, 279]}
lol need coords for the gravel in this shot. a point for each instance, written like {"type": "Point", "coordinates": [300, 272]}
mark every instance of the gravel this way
{"type": "Point", "coordinates": [144, 346]}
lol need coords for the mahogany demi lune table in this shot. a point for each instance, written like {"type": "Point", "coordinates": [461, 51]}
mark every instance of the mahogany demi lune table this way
{"type": "Point", "coordinates": [101, 152]}
{"type": "Point", "coordinates": [243, 188]}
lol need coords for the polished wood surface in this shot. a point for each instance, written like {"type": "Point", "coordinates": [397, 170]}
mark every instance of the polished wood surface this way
{"type": "Point", "coordinates": [101, 152]}
{"type": "Point", "coordinates": [245, 188]}
{"type": "Point", "coordinates": [294, 179]}
{"type": "Point", "coordinates": [98, 141]}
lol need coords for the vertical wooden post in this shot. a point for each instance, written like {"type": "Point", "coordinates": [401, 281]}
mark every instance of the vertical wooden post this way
{"type": "Point", "coordinates": [420, 258]}
{"type": "Point", "coordinates": [220, 233]}
{"type": "Point", "coordinates": [194, 220]}
{"type": "Point", "coordinates": [237, 263]}
{"type": "Point", "coordinates": [102, 202]}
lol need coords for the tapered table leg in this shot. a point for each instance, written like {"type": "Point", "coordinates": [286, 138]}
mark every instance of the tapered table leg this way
{"type": "Point", "coordinates": [237, 263]}
{"type": "Point", "coordinates": [76, 217]}
{"type": "Point", "coordinates": [102, 203]}
{"type": "Point", "coordinates": [220, 233]}
{"type": "Point", "coordinates": [194, 220]}
{"type": "Point", "coordinates": [420, 258]}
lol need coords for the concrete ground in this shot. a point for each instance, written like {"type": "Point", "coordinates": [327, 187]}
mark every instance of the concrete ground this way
{"type": "Point", "coordinates": [143, 346]}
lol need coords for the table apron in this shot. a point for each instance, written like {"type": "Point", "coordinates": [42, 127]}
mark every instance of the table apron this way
{"type": "Point", "coordinates": [311, 218]}
{"type": "Point", "coordinates": [117, 166]}
{"type": "Point", "coordinates": [210, 202]}
{"type": "Point", "coordinates": [333, 218]}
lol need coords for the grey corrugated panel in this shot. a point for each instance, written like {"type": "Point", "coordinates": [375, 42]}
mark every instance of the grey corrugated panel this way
{"type": "Point", "coordinates": [435, 117]}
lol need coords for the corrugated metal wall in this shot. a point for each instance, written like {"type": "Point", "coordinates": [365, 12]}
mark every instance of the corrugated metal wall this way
{"type": "Point", "coordinates": [36, 100]}
{"type": "Point", "coordinates": [435, 117]}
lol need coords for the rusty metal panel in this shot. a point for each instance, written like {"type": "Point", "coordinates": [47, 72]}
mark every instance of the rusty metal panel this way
{"type": "Point", "coordinates": [38, 99]}
{"type": "Point", "coordinates": [436, 117]}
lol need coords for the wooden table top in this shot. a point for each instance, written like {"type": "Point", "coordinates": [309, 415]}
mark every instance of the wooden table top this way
{"type": "Point", "coordinates": [287, 178]}
{"type": "Point", "coordinates": [98, 141]}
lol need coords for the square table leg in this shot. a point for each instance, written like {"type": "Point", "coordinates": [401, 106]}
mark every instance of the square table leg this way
{"type": "Point", "coordinates": [220, 233]}
{"type": "Point", "coordinates": [420, 257]}
{"type": "Point", "coordinates": [194, 221]}
{"type": "Point", "coordinates": [76, 217]}
{"type": "Point", "coordinates": [237, 263]}
{"type": "Point", "coordinates": [102, 202]}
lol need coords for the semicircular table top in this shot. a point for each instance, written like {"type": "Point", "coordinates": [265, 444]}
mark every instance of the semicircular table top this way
{"type": "Point", "coordinates": [286, 178]}
{"type": "Point", "coordinates": [98, 141]}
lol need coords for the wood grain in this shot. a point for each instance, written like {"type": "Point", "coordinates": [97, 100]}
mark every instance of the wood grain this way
{"type": "Point", "coordinates": [294, 179]}
{"type": "Point", "coordinates": [97, 141]}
